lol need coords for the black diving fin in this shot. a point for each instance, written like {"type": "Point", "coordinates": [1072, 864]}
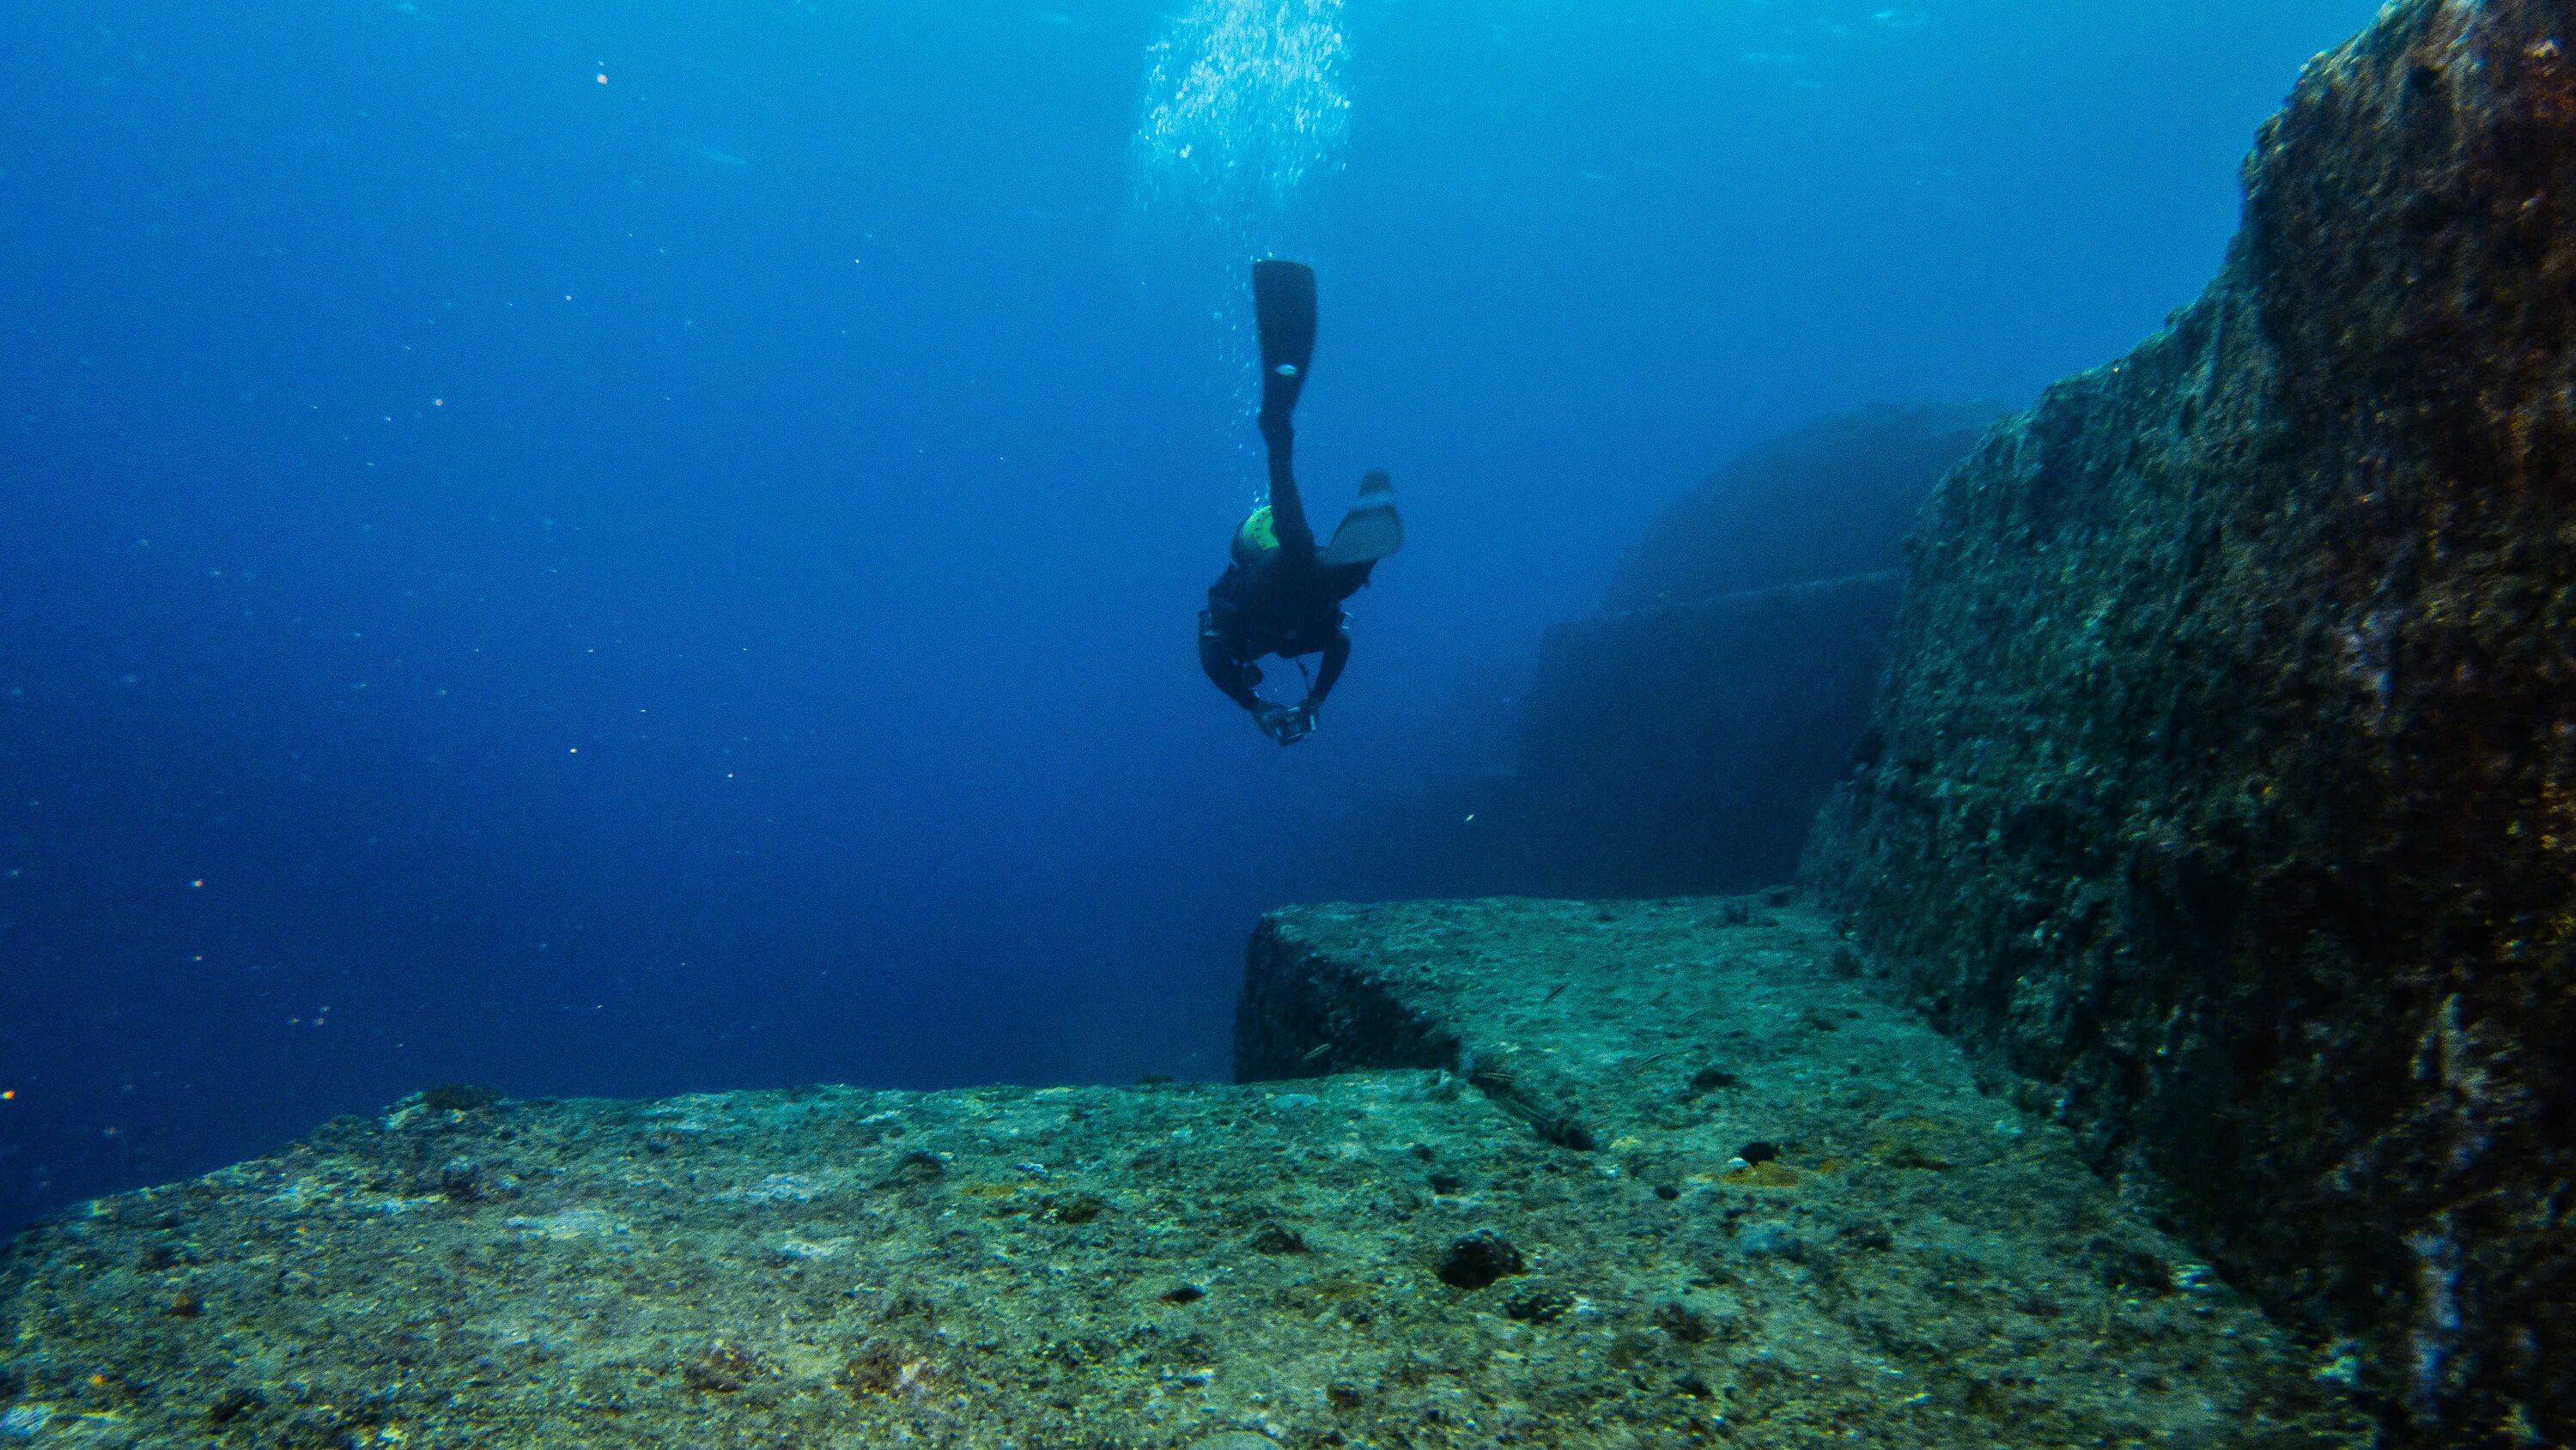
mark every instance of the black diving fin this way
{"type": "Point", "coordinates": [1371, 530]}
{"type": "Point", "coordinates": [1283, 299]}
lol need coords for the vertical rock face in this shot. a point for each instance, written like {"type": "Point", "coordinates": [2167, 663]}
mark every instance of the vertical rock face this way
{"type": "Point", "coordinates": [1685, 749]}
{"type": "Point", "coordinates": [2225, 775]}
{"type": "Point", "coordinates": [1682, 741]}
{"type": "Point", "coordinates": [1830, 500]}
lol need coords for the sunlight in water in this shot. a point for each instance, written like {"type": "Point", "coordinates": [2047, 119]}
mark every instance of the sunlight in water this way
{"type": "Point", "coordinates": [1243, 104]}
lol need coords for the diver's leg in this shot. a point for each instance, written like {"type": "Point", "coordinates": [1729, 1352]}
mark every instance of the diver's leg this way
{"type": "Point", "coordinates": [1341, 581]}
{"type": "Point", "coordinates": [1283, 296]}
{"type": "Point", "coordinates": [1287, 506]}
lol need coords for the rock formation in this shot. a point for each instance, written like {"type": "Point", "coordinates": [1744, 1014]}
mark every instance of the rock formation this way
{"type": "Point", "coordinates": [1682, 740]}
{"type": "Point", "coordinates": [2225, 777]}
{"type": "Point", "coordinates": [1827, 501]}
{"type": "Point", "coordinates": [1800, 1222]}
{"type": "Point", "coordinates": [1686, 747]}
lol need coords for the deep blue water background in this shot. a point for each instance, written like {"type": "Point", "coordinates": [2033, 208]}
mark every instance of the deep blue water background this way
{"type": "Point", "coordinates": [688, 582]}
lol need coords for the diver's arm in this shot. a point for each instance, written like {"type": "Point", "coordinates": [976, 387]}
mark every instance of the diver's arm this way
{"type": "Point", "coordinates": [1337, 653]}
{"type": "Point", "coordinates": [1287, 506]}
{"type": "Point", "coordinates": [1228, 673]}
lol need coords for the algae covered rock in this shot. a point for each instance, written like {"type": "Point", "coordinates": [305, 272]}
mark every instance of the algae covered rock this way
{"type": "Point", "coordinates": [2225, 775]}
{"type": "Point", "coordinates": [1686, 748]}
{"type": "Point", "coordinates": [1827, 501]}
{"type": "Point", "coordinates": [1681, 741]}
{"type": "Point", "coordinates": [1387, 1256]}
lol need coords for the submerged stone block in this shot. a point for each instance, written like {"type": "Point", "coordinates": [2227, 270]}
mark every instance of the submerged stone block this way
{"type": "Point", "coordinates": [1385, 1255]}
{"type": "Point", "coordinates": [1827, 501]}
{"type": "Point", "coordinates": [2225, 777]}
{"type": "Point", "coordinates": [1685, 748]}
{"type": "Point", "coordinates": [1680, 742]}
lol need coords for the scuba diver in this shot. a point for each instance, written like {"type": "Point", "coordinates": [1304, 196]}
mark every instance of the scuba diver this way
{"type": "Point", "coordinates": [1281, 595]}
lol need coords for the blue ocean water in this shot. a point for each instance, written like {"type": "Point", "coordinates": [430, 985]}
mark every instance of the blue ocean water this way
{"type": "Point", "coordinates": [624, 549]}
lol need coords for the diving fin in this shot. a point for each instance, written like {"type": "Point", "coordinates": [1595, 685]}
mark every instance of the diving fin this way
{"type": "Point", "coordinates": [1283, 299]}
{"type": "Point", "coordinates": [1371, 530]}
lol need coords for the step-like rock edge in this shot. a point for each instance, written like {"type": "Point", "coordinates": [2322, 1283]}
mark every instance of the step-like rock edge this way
{"type": "Point", "coordinates": [2224, 780]}
{"type": "Point", "coordinates": [1307, 1012]}
{"type": "Point", "coordinates": [1844, 1233]}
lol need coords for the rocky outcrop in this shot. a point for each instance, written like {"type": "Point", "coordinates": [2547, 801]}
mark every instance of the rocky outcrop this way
{"type": "Point", "coordinates": [1686, 747]}
{"type": "Point", "coordinates": [1681, 741]}
{"type": "Point", "coordinates": [1804, 1223]}
{"type": "Point", "coordinates": [2224, 780]}
{"type": "Point", "coordinates": [1826, 501]}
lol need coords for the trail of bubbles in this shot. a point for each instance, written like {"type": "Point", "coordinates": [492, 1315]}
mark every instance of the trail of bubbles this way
{"type": "Point", "coordinates": [1243, 105]}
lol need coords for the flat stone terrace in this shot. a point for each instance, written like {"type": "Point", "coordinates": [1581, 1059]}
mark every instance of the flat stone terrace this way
{"type": "Point", "coordinates": [1546, 1174]}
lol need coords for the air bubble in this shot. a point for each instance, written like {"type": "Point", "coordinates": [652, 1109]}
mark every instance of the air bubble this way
{"type": "Point", "coordinates": [1244, 104]}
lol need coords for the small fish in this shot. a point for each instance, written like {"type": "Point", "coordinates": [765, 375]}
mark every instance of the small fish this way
{"type": "Point", "coordinates": [1319, 1050]}
{"type": "Point", "coordinates": [1552, 996]}
{"type": "Point", "coordinates": [713, 155]}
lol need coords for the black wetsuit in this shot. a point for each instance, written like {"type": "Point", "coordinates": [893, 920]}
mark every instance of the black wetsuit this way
{"type": "Point", "coordinates": [1287, 603]}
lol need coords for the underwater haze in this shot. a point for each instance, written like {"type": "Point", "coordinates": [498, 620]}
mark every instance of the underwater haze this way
{"type": "Point", "coordinates": [619, 549]}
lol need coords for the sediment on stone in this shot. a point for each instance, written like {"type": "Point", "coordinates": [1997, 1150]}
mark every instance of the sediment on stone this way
{"type": "Point", "coordinates": [2222, 780]}
{"type": "Point", "coordinates": [1803, 1224]}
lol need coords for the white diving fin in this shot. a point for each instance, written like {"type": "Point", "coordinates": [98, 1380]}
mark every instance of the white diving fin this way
{"type": "Point", "coordinates": [1371, 530]}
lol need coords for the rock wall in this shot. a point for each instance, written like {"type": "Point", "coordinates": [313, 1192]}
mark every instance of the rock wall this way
{"type": "Point", "coordinates": [1832, 499]}
{"type": "Point", "coordinates": [1685, 748]}
{"type": "Point", "coordinates": [1803, 1225]}
{"type": "Point", "coordinates": [2224, 780]}
{"type": "Point", "coordinates": [1681, 741]}
{"type": "Point", "coordinates": [1307, 1012]}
